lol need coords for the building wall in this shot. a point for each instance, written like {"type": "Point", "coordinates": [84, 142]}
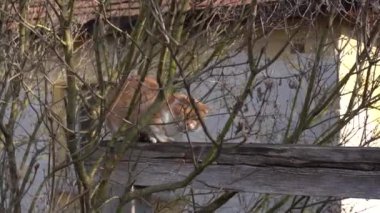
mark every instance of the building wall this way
{"type": "Point", "coordinates": [268, 111]}
{"type": "Point", "coordinates": [363, 127]}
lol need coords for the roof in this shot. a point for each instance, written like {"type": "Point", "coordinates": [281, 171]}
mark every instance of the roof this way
{"type": "Point", "coordinates": [43, 11]}
{"type": "Point", "coordinates": [85, 10]}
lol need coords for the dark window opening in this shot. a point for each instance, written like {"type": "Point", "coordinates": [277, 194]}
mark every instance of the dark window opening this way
{"type": "Point", "coordinates": [297, 48]}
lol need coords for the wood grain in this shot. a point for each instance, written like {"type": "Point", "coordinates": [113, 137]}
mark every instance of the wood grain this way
{"type": "Point", "coordinates": [263, 168]}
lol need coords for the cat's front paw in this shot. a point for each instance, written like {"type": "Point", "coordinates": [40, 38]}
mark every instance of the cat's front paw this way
{"type": "Point", "coordinates": [160, 139]}
{"type": "Point", "coordinates": [153, 140]}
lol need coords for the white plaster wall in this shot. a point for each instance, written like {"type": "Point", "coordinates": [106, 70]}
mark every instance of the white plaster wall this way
{"type": "Point", "coordinates": [267, 111]}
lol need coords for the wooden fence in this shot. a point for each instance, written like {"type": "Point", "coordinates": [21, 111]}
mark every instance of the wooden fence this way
{"type": "Point", "coordinates": [264, 168]}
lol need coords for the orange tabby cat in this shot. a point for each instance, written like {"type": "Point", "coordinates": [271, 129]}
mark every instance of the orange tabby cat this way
{"type": "Point", "coordinates": [175, 115]}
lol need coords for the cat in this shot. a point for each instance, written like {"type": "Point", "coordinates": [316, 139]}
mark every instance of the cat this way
{"type": "Point", "coordinates": [175, 116]}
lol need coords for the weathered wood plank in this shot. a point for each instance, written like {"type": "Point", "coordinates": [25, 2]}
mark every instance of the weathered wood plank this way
{"type": "Point", "coordinates": [263, 168]}
{"type": "Point", "coordinates": [354, 158]}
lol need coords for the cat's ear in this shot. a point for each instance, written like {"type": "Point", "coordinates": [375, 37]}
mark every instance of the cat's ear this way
{"type": "Point", "coordinates": [203, 107]}
{"type": "Point", "coordinates": [151, 83]}
{"type": "Point", "coordinates": [206, 109]}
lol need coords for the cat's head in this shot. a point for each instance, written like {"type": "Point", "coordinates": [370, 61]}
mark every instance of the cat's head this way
{"type": "Point", "coordinates": [183, 107]}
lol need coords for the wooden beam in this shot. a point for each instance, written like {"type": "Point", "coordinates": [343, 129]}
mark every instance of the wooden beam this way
{"type": "Point", "coordinates": [264, 168]}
